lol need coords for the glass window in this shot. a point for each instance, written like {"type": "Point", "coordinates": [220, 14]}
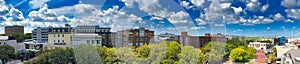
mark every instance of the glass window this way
{"type": "Point", "coordinates": [58, 35]}
{"type": "Point", "coordinates": [54, 35]}
{"type": "Point", "coordinates": [142, 33]}
{"type": "Point", "coordinates": [58, 41]}
{"type": "Point", "coordinates": [63, 35]}
{"type": "Point", "coordinates": [63, 40]}
{"type": "Point", "coordinates": [54, 41]}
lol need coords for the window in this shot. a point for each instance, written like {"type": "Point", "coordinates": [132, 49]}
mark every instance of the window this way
{"type": "Point", "coordinates": [63, 40]}
{"type": "Point", "coordinates": [63, 30]}
{"type": "Point", "coordinates": [63, 35]}
{"type": "Point", "coordinates": [54, 35]}
{"type": "Point", "coordinates": [58, 35]}
{"type": "Point", "coordinates": [54, 41]}
{"type": "Point", "coordinates": [58, 41]}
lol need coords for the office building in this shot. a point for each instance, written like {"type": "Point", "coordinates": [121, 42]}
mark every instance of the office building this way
{"type": "Point", "coordinates": [59, 37]}
{"type": "Point", "coordinates": [14, 30]}
{"type": "Point", "coordinates": [280, 41]}
{"type": "Point", "coordinates": [135, 37]}
{"type": "Point", "coordinates": [40, 34]}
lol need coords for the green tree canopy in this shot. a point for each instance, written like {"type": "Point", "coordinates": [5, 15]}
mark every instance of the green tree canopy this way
{"type": "Point", "coordinates": [6, 53]}
{"type": "Point", "coordinates": [55, 56]}
{"type": "Point", "coordinates": [239, 55]}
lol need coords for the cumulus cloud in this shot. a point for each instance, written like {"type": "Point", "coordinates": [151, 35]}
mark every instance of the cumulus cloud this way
{"type": "Point", "coordinates": [290, 3]}
{"type": "Point", "coordinates": [186, 4]}
{"type": "Point", "coordinates": [197, 3]}
{"type": "Point", "coordinates": [179, 17]}
{"type": "Point", "coordinates": [289, 20]}
{"type": "Point", "coordinates": [278, 16]}
{"type": "Point", "coordinates": [293, 13]}
{"type": "Point", "coordinates": [37, 3]}
{"type": "Point", "coordinates": [237, 10]}
{"type": "Point", "coordinates": [15, 15]}
{"type": "Point", "coordinates": [253, 6]}
{"type": "Point", "coordinates": [43, 14]}
{"type": "Point", "coordinates": [238, 30]}
{"type": "Point", "coordinates": [200, 21]}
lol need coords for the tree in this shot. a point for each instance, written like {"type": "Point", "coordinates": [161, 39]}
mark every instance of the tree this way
{"type": "Point", "coordinates": [173, 49]}
{"type": "Point", "coordinates": [143, 51]}
{"type": "Point", "coordinates": [6, 53]}
{"type": "Point", "coordinates": [55, 56]}
{"type": "Point", "coordinates": [274, 50]}
{"type": "Point", "coordinates": [251, 51]}
{"type": "Point", "coordinates": [238, 55]}
{"type": "Point", "coordinates": [189, 55]}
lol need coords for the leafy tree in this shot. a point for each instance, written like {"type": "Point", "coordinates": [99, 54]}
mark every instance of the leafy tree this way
{"type": "Point", "coordinates": [274, 50]}
{"type": "Point", "coordinates": [86, 54]}
{"type": "Point", "coordinates": [239, 55]}
{"type": "Point", "coordinates": [230, 47]}
{"type": "Point", "coordinates": [6, 53]}
{"type": "Point", "coordinates": [189, 55]}
{"type": "Point", "coordinates": [143, 51]}
{"type": "Point", "coordinates": [173, 49]}
{"type": "Point", "coordinates": [251, 51]}
{"type": "Point", "coordinates": [168, 61]}
{"type": "Point", "coordinates": [55, 56]}
{"type": "Point", "coordinates": [19, 37]}
{"type": "Point", "coordinates": [271, 57]}
{"type": "Point", "coordinates": [201, 57]}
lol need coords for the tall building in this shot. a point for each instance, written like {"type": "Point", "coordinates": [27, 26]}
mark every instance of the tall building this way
{"type": "Point", "coordinates": [280, 41]}
{"type": "Point", "coordinates": [59, 37]}
{"type": "Point", "coordinates": [199, 41]}
{"type": "Point", "coordinates": [14, 30]}
{"type": "Point", "coordinates": [103, 31]}
{"type": "Point", "coordinates": [135, 37]}
{"type": "Point", "coordinates": [40, 34]}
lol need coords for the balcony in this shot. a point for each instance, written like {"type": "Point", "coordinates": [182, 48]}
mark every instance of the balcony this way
{"type": "Point", "coordinates": [59, 43]}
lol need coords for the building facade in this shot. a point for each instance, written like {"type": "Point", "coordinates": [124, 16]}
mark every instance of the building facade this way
{"type": "Point", "coordinates": [3, 40]}
{"type": "Point", "coordinates": [59, 37]}
{"type": "Point", "coordinates": [40, 34]}
{"type": "Point", "coordinates": [168, 37]}
{"type": "Point", "coordinates": [14, 30]}
{"type": "Point", "coordinates": [104, 32]}
{"type": "Point", "coordinates": [134, 37]}
{"type": "Point", "coordinates": [259, 45]}
{"type": "Point", "coordinates": [199, 41]}
{"type": "Point", "coordinates": [86, 38]}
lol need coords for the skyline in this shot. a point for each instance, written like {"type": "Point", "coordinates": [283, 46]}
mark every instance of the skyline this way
{"type": "Point", "coordinates": [241, 17]}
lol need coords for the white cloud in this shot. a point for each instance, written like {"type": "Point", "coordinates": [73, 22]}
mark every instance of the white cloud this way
{"type": "Point", "coordinates": [186, 4]}
{"type": "Point", "coordinates": [290, 3]}
{"type": "Point", "coordinates": [37, 3]}
{"type": "Point", "coordinates": [128, 3]}
{"type": "Point", "coordinates": [293, 13]}
{"type": "Point", "coordinates": [156, 18]}
{"type": "Point", "coordinates": [278, 16]}
{"type": "Point", "coordinates": [237, 10]}
{"type": "Point", "coordinates": [282, 27]}
{"type": "Point", "coordinates": [43, 14]}
{"type": "Point", "coordinates": [200, 21]}
{"type": "Point", "coordinates": [268, 28]}
{"type": "Point", "coordinates": [264, 8]}
{"type": "Point", "coordinates": [253, 6]}
{"type": "Point", "coordinates": [197, 3]}
{"type": "Point", "coordinates": [15, 15]}
{"type": "Point", "coordinates": [179, 17]}
{"type": "Point", "coordinates": [198, 28]}
{"type": "Point", "coordinates": [225, 5]}
{"type": "Point", "coordinates": [149, 6]}
{"type": "Point", "coordinates": [289, 20]}
{"type": "Point", "coordinates": [238, 30]}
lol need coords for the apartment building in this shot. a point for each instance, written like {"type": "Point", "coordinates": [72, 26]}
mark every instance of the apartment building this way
{"type": "Point", "coordinates": [259, 45]}
{"type": "Point", "coordinates": [14, 30]}
{"type": "Point", "coordinates": [135, 37]}
{"type": "Point", "coordinates": [168, 37]}
{"type": "Point", "coordinates": [59, 37]}
{"type": "Point", "coordinates": [40, 34]}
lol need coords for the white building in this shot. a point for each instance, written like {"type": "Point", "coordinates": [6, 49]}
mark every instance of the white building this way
{"type": "Point", "coordinates": [259, 45]}
{"type": "Point", "coordinates": [40, 34]}
{"type": "Point", "coordinates": [3, 40]}
{"type": "Point", "coordinates": [86, 38]}
{"type": "Point", "coordinates": [33, 45]}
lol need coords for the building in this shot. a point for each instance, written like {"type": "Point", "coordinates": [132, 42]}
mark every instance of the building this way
{"type": "Point", "coordinates": [291, 57]}
{"type": "Point", "coordinates": [199, 41]}
{"type": "Point", "coordinates": [33, 45]}
{"type": "Point", "coordinates": [40, 34]}
{"type": "Point", "coordinates": [59, 37]}
{"type": "Point", "coordinates": [280, 41]}
{"type": "Point", "coordinates": [86, 38]}
{"type": "Point", "coordinates": [14, 30]}
{"type": "Point", "coordinates": [259, 45]}
{"type": "Point", "coordinates": [134, 37]}
{"type": "Point", "coordinates": [104, 32]}
{"type": "Point", "coordinates": [168, 37]}
{"type": "Point", "coordinates": [3, 40]}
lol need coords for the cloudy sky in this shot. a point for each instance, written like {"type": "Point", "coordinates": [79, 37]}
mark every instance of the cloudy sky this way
{"type": "Point", "coordinates": [231, 17]}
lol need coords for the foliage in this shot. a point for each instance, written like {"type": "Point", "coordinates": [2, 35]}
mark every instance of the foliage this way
{"type": "Point", "coordinates": [251, 51]}
{"type": "Point", "coordinates": [173, 49]}
{"type": "Point", "coordinates": [55, 56]}
{"type": "Point", "coordinates": [86, 54]}
{"type": "Point", "coordinates": [274, 50]}
{"type": "Point", "coordinates": [239, 55]}
{"type": "Point", "coordinates": [189, 55]}
{"type": "Point", "coordinates": [271, 57]}
{"type": "Point", "coordinates": [19, 37]}
{"type": "Point", "coordinates": [6, 53]}
{"type": "Point", "coordinates": [143, 51]}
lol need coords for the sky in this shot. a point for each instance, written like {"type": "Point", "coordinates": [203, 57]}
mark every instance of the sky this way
{"type": "Point", "coordinates": [268, 18]}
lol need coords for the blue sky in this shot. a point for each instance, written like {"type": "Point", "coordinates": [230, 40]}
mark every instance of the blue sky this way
{"type": "Point", "coordinates": [231, 17]}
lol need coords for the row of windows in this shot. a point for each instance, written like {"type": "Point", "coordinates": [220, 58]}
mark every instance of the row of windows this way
{"type": "Point", "coordinates": [59, 41]}
{"type": "Point", "coordinates": [62, 35]}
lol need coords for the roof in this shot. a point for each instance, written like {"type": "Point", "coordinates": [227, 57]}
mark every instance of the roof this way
{"type": "Point", "coordinates": [3, 37]}
{"type": "Point", "coordinates": [88, 34]}
{"type": "Point", "coordinates": [295, 54]}
{"type": "Point", "coordinates": [261, 57]}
